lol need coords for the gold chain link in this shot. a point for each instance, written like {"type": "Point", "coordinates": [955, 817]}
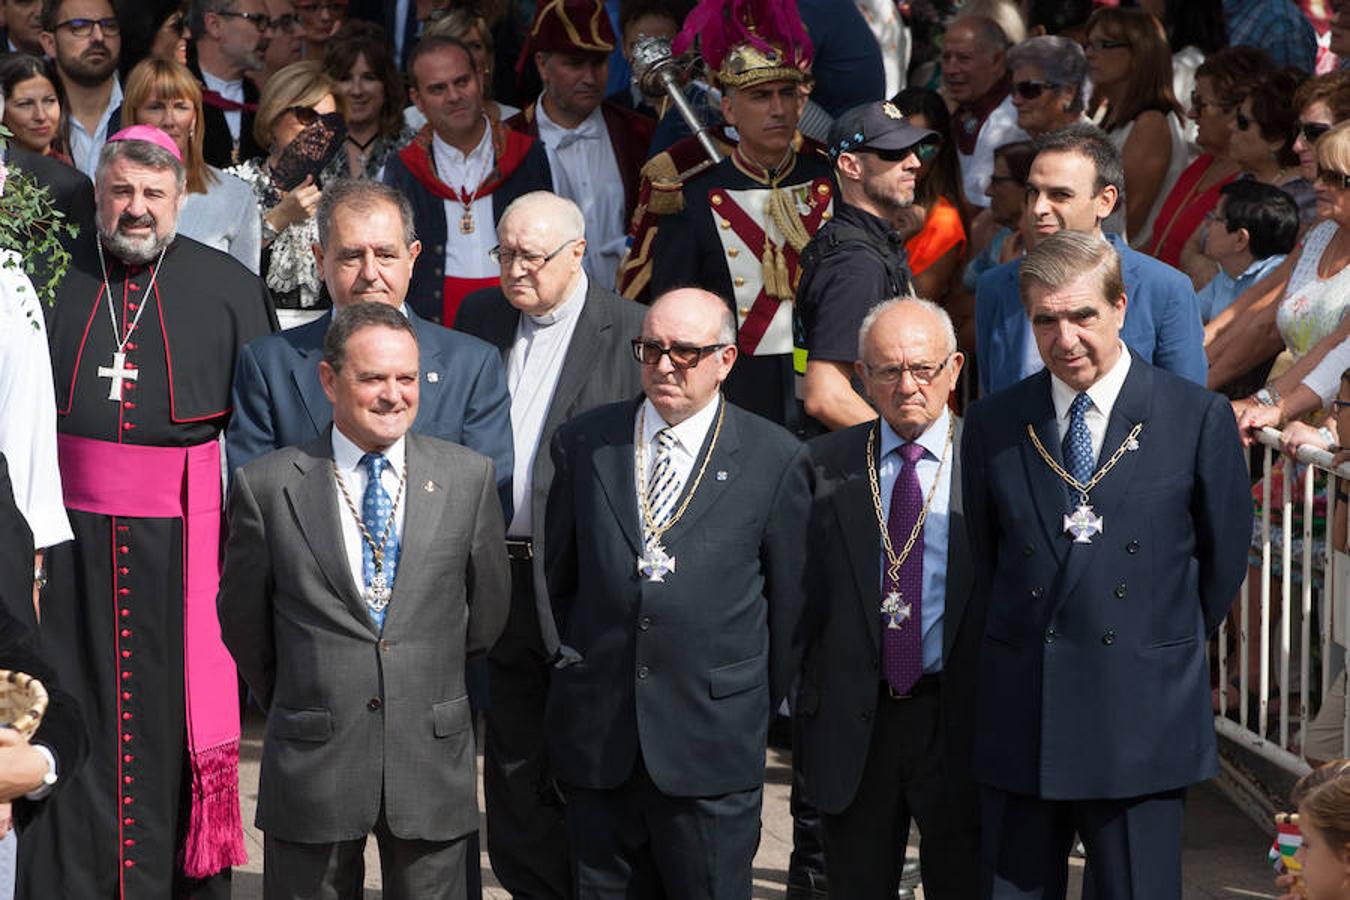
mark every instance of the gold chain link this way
{"type": "Point", "coordinates": [1074, 483]}
{"type": "Point", "coordinates": [376, 550]}
{"type": "Point", "coordinates": [653, 532]}
{"type": "Point", "coordinates": [873, 467]}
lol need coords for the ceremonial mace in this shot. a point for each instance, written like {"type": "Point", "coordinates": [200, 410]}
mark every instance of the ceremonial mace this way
{"type": "Point", "coordinates": [657, 72]}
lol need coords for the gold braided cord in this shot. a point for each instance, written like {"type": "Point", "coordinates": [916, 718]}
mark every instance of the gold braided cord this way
{"type": "Point", "coordinates": [1074, 483]}
{"type": "Point", "coordinates": [654, 533]}
{"type": "Point", "coordinates": [376, 550]}
{"type": "Point", "coordinates": [894, 562]}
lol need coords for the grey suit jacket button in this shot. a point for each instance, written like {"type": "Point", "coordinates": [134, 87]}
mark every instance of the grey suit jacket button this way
{"type": "Point", "coordinates": [373, 704]}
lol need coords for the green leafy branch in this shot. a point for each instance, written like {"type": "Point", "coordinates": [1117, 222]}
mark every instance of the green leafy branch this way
{"type": "Point", "coordinates": [32, 226]}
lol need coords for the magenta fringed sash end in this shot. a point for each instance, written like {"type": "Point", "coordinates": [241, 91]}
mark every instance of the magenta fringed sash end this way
{"type": "Point", "coordinates": [215, 835]}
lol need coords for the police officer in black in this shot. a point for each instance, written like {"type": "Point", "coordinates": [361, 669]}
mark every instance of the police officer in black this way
{"type": "Point", "coordinates": [858, 258]}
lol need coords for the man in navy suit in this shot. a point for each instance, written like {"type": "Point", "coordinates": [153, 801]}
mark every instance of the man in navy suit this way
{"type": "Point", "coordinates": [1074, 184]}
{"type": "Point", "coordinates": [366, 253]}
{"type": "Point", "coordinates": [1106, 502]}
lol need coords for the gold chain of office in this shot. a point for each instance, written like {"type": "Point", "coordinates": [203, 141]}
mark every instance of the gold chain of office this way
{"type": "Point", "coordinates": [376, 550]}
{"type": "Point", "coordinates": [654, 532]}
{"type": "Point", "coordinates": [893, 561]}
{"type": "Point", "coordinates": [1083, 489]}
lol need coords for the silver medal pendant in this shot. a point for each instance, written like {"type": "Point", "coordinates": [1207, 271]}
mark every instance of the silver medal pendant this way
{"type": "Point", "coordinates": [896, 611]}
{"type": "Point", "coordinates": [1083, 523]}
{"type": "Point", "coordinates": [656, 563]}
{"type": "Point", "coordinates": [378, 594]}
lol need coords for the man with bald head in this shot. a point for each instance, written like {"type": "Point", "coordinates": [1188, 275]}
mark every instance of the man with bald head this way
{"type": "Point", "coordinates": [886, 705]}
{"type": "Point", "coordinates": [564, 342]}
{"type": "Point", "coordinates": [975, 78]}
{"type": "Point", "coordinates": [675, 564]}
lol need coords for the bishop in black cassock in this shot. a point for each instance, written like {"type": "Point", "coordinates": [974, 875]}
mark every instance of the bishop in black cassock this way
{"type": "Point", "coordinates": [128, 618]}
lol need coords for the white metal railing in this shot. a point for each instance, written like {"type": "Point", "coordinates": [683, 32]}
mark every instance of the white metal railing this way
{"type": "Point", "coordinates": [1254, 728]}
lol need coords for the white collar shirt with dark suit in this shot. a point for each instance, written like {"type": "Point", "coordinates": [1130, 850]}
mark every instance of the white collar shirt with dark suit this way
{"type": "Point", "coordinates": [348, 459]}
{"type": "Point", "coordinates": [1103, 395]}
{"type": "Point", "coordinates": [684, 454]}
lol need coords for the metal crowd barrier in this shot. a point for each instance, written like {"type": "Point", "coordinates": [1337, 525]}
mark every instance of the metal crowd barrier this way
{"type": "Point", "coordinates": [1279, 736]}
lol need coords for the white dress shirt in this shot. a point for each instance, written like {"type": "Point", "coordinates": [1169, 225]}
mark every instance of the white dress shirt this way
{"type": "Point", "coordinates": [84, 145]}
{"type": "Point", "coordinates": [230, 90]}
{"type": "Point", "coordinates": [28, 407]}
{"type": "Point", "coordinates": [998, 129]}
{"type": "Point", "coordinates": [689, 436]}
{"type": "Point", "coordinates": [347, 456]}
{"type": "Point", "coordinates": [1103, 395]}
{"type": "Point", "coordinates": [466, 255]}
{"type": "Point", "coordinates": [586, 172]}
{"type": "Point", "coordinates": [532, 370]}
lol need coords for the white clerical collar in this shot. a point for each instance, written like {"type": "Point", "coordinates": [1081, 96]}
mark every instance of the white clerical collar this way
{"type": "Point", "coordinates": [1103, 393]}
{"type": "Point", "coordinates": [571, 304]}
{"type": "Point", "coordinates": [933, 439]}
{"type": "Point", "coordinates": [689, 434]}
{"type": "Point", "coordinates": [453, 154]}
{"type": "Point", "coordinates": [591, 126]}
{"type": "Point", "coordinates": [347, 455]}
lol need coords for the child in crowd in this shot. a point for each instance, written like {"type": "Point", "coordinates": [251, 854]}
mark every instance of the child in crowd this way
{"type": "Point", "coordinates": [1323, 800]}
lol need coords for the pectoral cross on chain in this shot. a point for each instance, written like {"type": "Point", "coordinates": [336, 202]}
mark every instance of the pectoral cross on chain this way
{"type": "Point", "coordinates": [1083, 524]}
{"type": "Point", "coordinates": [119, 373]}
{"type": "Point", "coordinates": [896, 611]}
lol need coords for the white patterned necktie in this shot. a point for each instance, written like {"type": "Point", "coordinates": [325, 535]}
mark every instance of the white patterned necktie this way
{"type": "Point", "coordinates": [376, 508]}
{"type": "Point", "coordinates": [662, 487]}
{"type": "Point", "coordinates": [1077, 446]}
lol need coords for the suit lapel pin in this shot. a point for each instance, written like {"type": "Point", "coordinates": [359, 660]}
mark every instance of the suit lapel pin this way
{"type": "Point", "coordinates": [429, 487]}
{"type": "Point", "coordinates": [1132, 444]}
{"type": "Point", "coordinates": [432, 378]}
{"type": "Point", "coordinates": [721, 474]}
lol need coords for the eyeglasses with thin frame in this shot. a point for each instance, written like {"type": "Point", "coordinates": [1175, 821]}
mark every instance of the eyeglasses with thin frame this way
{"type": "Point", "coordinates": [1311, 131]}
{"type": "Point", "coordinates": [923, 373]}
{"type": "Point", "coordinates": [1332, 178]}
{"type": "Point", "coordinates": [284, 23]}
{"type": "Point", "coordinates": [682, 356]}
{"type": "Point", "coordinates": [531, 262]}
{"type": "Point", "coordinates": [337, 7]}
{"type": "Point", "coordinates": [260, 21]}
{"type": "Point", "coordinates": [84, 27]}
{"type": "Point", "coordinates": [1031, 89]}
{"type": "Point", "coordinates": [1100, 44]}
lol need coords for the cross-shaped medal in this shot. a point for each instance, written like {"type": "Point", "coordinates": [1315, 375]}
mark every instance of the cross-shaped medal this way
{"type": "Point", "coordinates": [657, 563]}
{"type": "Point", "coordinates": [897, 613]}
{"type": "Point", "coordinates": [1083, 524]}
{"type": "Point", "coordinates": [119, 373]}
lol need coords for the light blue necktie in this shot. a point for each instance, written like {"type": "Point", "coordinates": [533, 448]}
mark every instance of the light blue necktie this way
{"type": "Point", "coordinates": [1077, 446]}
{"type": "Point", "coordinates": [376, 509]}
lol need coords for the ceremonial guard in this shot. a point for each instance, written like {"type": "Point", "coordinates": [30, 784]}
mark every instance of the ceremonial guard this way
{"type": "Point", "coordinates": [744, 221]}
{"type": "Point", "coordinates": [144, 335]}
{"type": "Point", "coordinates": [595, 148]}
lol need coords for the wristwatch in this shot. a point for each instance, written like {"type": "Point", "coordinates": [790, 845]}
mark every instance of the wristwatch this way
{"type": "Point", "coordinates": [40, 576]}
{"type": "Point", "coordinates": [1267, 396]}
{"type": "Point", "coordinates": [48, 779]}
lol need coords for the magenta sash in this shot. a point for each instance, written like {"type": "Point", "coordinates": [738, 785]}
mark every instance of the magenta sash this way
{"type": "Point", "coordinates": [181, 483]}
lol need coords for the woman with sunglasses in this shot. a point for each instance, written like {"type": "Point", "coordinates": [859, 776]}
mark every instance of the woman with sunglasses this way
{"type": "Point", "coordinates": [1047, 89]}
{"type": "Point", "coordinates": [1321, 101]}
{"type": "Point", "coordinates": [937, 252]}
{"type": "Point", "coordinates": [295, 99]}
{"type": "Point", "coordinates": [152, 29]}
{"type": "Point", "coordinates": [1261, 141]}
{"type": "Point", "coordinates": [360, 60]}
{"type": "Point", "coordinates": [218, 209]}
{"type": "Point", "coordinates": [35, 108]}
{"type": "Point", "coordinates": [1131, 69]}
{"type": "Point", "coordinates": [1222, 79]}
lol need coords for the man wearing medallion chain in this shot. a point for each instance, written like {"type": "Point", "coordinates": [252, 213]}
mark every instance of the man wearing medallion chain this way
{"type": "Point", "coordinates": [675, 559]}
{"type": "Point", "coordinates": [1106, 503]}
{"type": "Point", "coordinates": [886, 705]}
{"type": "Point", "coordinates": [362, 570]}
{"type": "Point", "coordinates": [144, 336]}
{"type": "Point", "coordinates": [743, 222]}
{"type": "Point", "coordinates": [460, 173]}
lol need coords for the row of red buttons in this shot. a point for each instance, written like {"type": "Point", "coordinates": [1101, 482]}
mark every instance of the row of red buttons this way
{"type": "Point", "coordinates": [125, 612]}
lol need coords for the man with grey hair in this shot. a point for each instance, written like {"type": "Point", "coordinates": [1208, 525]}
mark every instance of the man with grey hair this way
{"type": "Point", "coordinates": [229, 36]}
{"type": "Point", "coordinates": [975, 78]}
{"type": "Point", "coordinates": [886, 705]}
{"type": "Point", "coordinates": [564, 340]}
{"type": "Point", "coordinates": [144, 336]}
{"type": "Point", "coordinates": [1107, 508]}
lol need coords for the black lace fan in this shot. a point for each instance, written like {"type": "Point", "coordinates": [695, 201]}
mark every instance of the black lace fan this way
{"type": "Point", "coordinates": [311, 150]}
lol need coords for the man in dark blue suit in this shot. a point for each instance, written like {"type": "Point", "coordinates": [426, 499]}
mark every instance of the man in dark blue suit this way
{"type": "Point", "coordinates": [680, 624]}
{"type": "Point", "coordinates": [1107, 507]}
{"type": "Point", "coordinates": [366, 253]}
{"type": "Point", "coordinates": [1074, 184]}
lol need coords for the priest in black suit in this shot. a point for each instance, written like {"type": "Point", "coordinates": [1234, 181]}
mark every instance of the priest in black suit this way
{"type": "Point", "coordinates": [886, 704]}
{"type": "Point", "coordinates": [565, 343]}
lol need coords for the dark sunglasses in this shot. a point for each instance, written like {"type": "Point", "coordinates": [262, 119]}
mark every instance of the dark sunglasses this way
{"type": "Point", "coordinates": [1030, 90]}
{"type": "Point", "coordinates": [85, 27]}
{"type": "Point", "coordinates": [260, 21]}
{"type": "Point", "coordinates": [1311, 131]}
{"type": "Point", "coordinates": [682, 356]}
{"type": "Point", "coordinates": [1332, 178]}
{"type": "Point", "coordinates": [305, 115]}
{"type": "Point", "coordinates": [924, 150]}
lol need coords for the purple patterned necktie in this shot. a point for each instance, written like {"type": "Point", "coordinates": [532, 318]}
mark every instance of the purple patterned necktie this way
{"type": "Point", "coordinates": [901, 630]}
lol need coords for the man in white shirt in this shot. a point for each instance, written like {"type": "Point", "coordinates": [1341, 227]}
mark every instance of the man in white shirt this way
{"type": "Point", "coordinates": [565, 340]}
{"type": "Point", "coordinates": [975, 78]}
{"type": "Point", "coordinates": [361, 571]}
{"type": "Point", "coordinates": [229, 38]}
{"type": "Point", "coordinates": [85, 39]}
{"type": "Point", "coordinates": [460, 173]}
{"type": "Point", "coordinates": [595, 148]}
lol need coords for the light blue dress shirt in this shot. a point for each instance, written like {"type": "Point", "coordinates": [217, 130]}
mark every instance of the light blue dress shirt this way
{"type": "Point", "coordinates": [1223, 288]}
{"type": "Point", "coordinates": [935, 526]}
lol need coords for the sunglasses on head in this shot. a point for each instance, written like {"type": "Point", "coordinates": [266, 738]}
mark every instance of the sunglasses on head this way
{"type": "Point", "coordinates": [1311, 131]}
{"type": "Point", "coordinates": [1030, 90]}
{"type": "Point", "coordinates": [1332, 178]}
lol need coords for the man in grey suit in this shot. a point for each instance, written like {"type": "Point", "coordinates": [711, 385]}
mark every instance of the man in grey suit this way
{"type": "Point", "coordinates": [361, 570]}
{"type": "Point", "coordinates": [676, 529]}
{"type": "Point", "coordinates": [565, 344]}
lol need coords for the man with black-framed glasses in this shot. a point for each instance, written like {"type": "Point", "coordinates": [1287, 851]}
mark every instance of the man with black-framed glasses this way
{"type": "Point", "coordinates": [563, 340]}
{"type": "Point", "coordinates": [676, 529]}
{"type": "Point", "coordinates": [85, 40]}
{"type": "Point", "coordinates": [230, 37]}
